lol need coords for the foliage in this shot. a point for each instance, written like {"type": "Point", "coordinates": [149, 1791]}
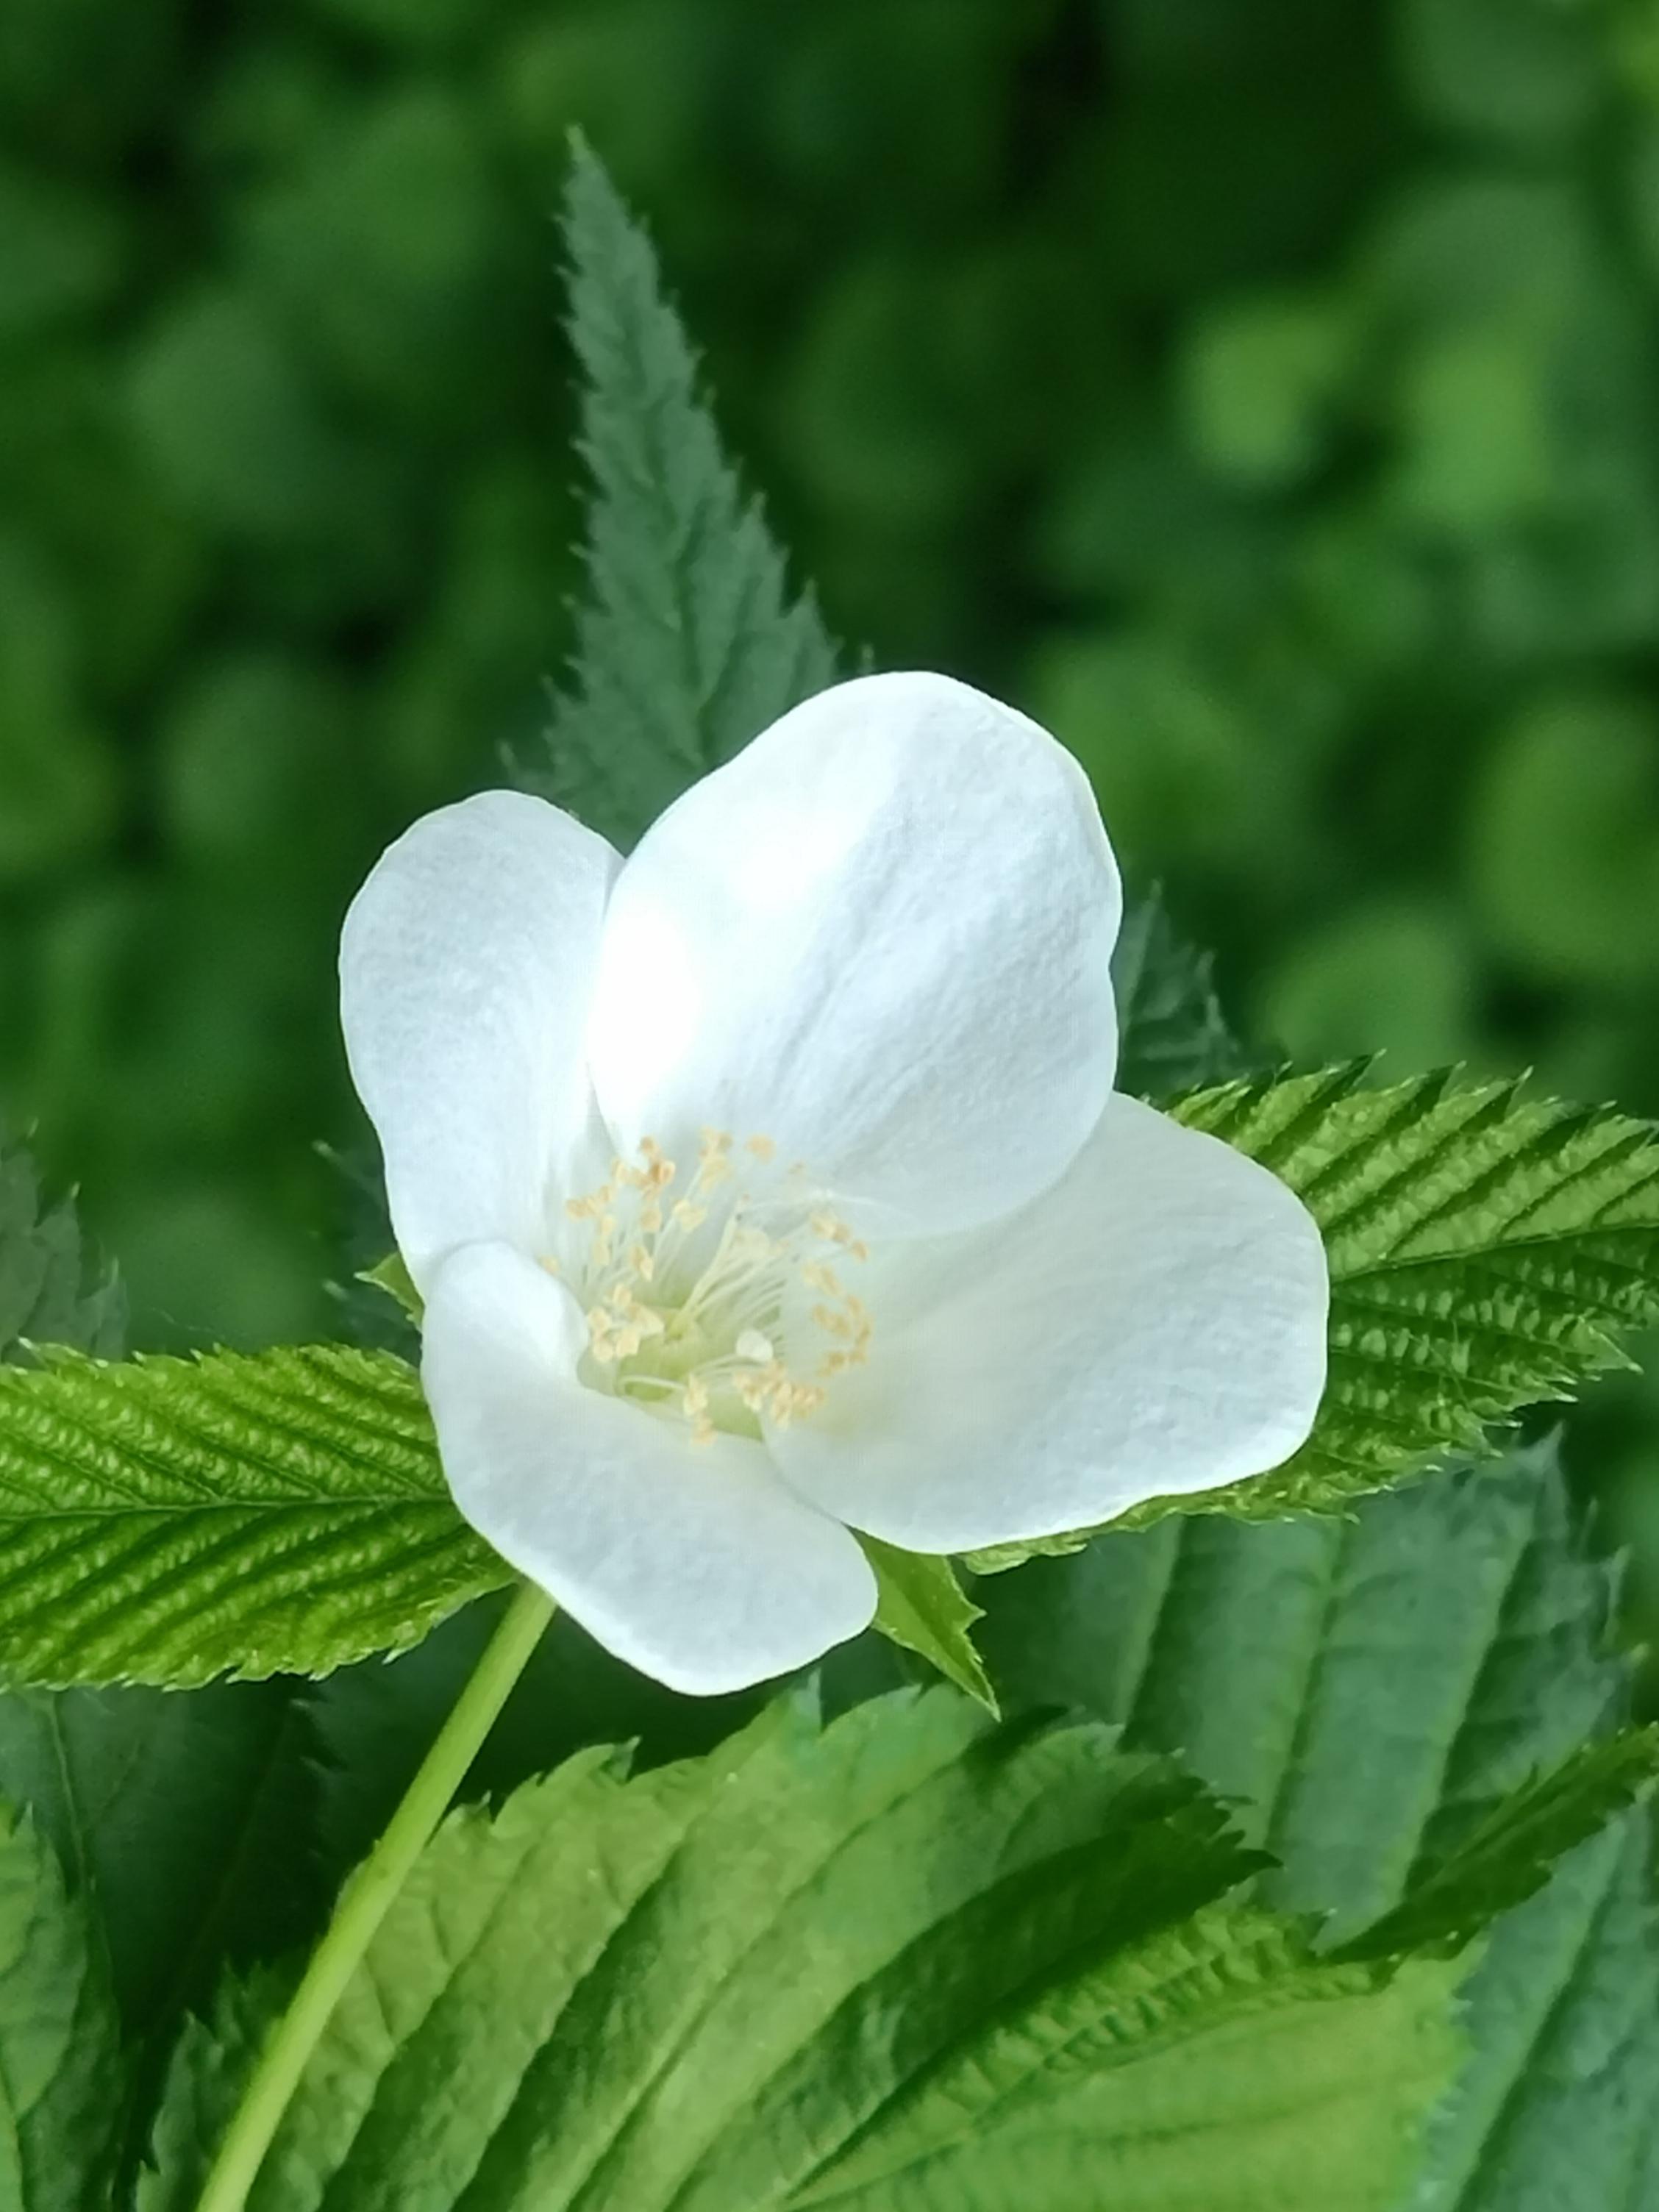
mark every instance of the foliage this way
{"type": "Point", "coordinates": [903, 1961]}
{"type": "Point", "coordinates": [1377, 1697]}
{"type": "Point", "coordinates": [48, 1292]}
{"type": "Point", "coordinates": [60, 2074]}
{"type": "Point", "coordinates": [175, 1819]}
{"type": "Point", "coordinates": [686, 644]}
{"type": "Point", "coordinates": [1172, 1034]}
{"type": "Point", "coordinates": [166, 1521]}
{"type": "Point", "coordinates": [1124, 358]}
{"type": "Point", "coordinates": [913, 1956]}
{"type": "Point", "coordinates": [1486, 1252]}
{"type": "Point", "coordinates": [922, 1605]}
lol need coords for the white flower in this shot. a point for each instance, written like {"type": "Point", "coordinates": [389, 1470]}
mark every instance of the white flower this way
{"type": "Point", "coordinates": [771, 1184]}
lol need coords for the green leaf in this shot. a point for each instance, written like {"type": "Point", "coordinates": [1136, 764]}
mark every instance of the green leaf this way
{"type": "Point", "coordinates": [908, 1961]}
{"type": "Point", "coordinates": [922, 1606]}
{"type": "Point", "coordinates": [60, 2074]}
{"type": "Point", "coordinates": [166, 1521]}
{"type": "Point", "coordinates": [1486, 1252]}
{"type": "Point", "coordinates": [1511, 1854]}
{"type": "Point", "coordinates": [391, 1275]}
{"type": "Point", "coordinates": [1558, 2108]}
{"type": "Point", "coordinates": [374, 1723]}
{"type": "Point", "coordinates": [50, 1294]}
{"type": "Point", "coordinates": [1371, 1695]}
{"type": "Point", "coordinates": [688, 642]}
{"type": "Point", "coordinates": [176, 1819]}
{"type": "Point", "coordinates": [1171, 1033]}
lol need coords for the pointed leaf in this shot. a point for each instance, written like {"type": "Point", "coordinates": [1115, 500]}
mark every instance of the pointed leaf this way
{"type": "Point", "coordinates": [1513, 1851]}
{"type": "Point", "coordinates": [1171, 1032]}
{"type": "Point", "coordinates": [922, 1606]}
{"type": "Point", "coordinates": [50, 1292]}
{"type": "Point", "coordinates": [175, 1819]}
{"type": "Point", "coordinates": [688, 642]}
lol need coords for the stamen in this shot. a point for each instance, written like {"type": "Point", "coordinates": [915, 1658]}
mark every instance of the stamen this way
{"type": "Point", "coordinates": [713, 1351]}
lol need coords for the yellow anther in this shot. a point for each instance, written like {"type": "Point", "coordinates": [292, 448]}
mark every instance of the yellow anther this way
{"type": "Point", "coordinates": [714, 1141]}
{"type": "Point", "coordinates": [639, 1260]}
{"type": "Point", "coordinates": [818, 1277]}
{"type": "Point", "coordinates": [696, 1403]}
{"type": "Point", "coordinates": [599, 1336]}
{"type": "Point", "coordinates": [689, 1216]}
{"type": "Point", "coordinates": [764, 1148]}
{"type": "Point", "coordinates": [834, 1230]}
{"type": "Point", "coordinates": [546, 1260]}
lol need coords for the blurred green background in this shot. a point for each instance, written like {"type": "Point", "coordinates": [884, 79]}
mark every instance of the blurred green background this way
{"type": "Point", "coordinates": [1264, 392]}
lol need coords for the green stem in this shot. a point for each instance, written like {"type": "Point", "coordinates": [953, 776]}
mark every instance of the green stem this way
{"type": "Point", "coordinates": [367, 1898]}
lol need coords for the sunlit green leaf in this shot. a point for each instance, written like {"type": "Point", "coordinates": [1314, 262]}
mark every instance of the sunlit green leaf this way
{"type": "Point", "coordinates": [909, 1962]}
{"type": "Point", "coordinates": [921, 1604]}
{"type": "Point", "coordinates": [166, 1521]}
{"type": "Point", "coordinates": [1486, 1252]}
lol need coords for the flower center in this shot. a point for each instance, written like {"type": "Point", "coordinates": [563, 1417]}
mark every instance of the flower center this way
{"type": "Point", "coordinates": [694, 1305]}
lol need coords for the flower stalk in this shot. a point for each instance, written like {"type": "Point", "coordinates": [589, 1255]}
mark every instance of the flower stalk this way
{"type": "Point", "coordinates": [367, 1897]}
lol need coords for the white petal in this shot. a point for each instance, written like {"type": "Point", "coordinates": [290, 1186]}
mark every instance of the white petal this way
{"type": "Point", "coordinates": [1153, 1325]}
{"type": "Point", "coordinates": [466, 973]}
{"type": "Point", "coordinates": [879, 936]}
{"type": "Point", "coordinates": [693, 1563]}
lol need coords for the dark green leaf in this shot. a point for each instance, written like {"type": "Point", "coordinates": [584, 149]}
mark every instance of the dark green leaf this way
{"type": "Point", "coordinates": [177, 1820]}
{"type": "Point", "coordinates": [180, 1820]}
{"type": "Point", "coordinates": [688, 642]}
{"type": "Point", "coordinates": [1514, 1851]}
{"type": "Point", "coordinates": [61, 2082]}
{"type": "Point", "coordinates": [1370, 1693]}
{"type": "Point", "coordinates": [50, 1292]}
{"type": "Point", "coordinates": [1171, 1033]}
